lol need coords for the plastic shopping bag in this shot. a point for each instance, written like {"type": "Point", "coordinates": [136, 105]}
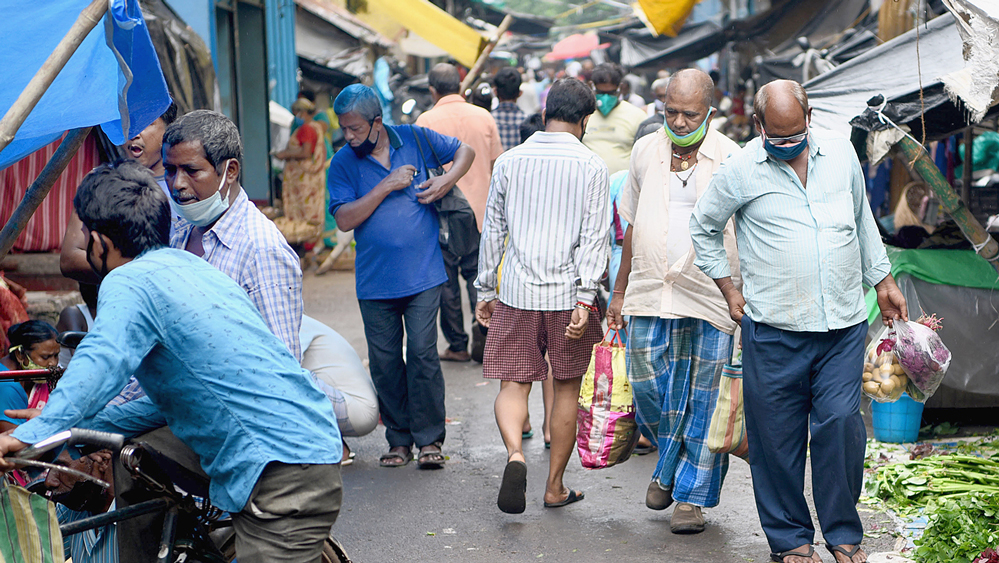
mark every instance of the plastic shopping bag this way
{"type": "Point", "coordinates": [29, 527]}
{"type": "Point", "coordinates": [917, 351]}
{"type": "Point", "coordinates": [606, 430]}
{"type": "Point", "coordinates": [727, 432]}
{"type": "Point", "coordinates": [883, 380]}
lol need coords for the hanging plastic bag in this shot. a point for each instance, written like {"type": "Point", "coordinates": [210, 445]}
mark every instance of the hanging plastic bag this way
{"type": "Point", "coordinates": [606, 430]}
{"type": "Point", "coordinates": [914, 349]}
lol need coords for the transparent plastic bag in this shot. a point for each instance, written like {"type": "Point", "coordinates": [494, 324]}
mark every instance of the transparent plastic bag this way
{"type": "Point", "coordinates": [922, 355]}
{"type": "Point", "coordinates": [884, 379]}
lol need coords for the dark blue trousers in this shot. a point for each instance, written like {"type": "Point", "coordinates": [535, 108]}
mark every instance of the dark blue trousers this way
{"type": "Point", "coordinates": [410, 391]}
{"type": "Point", "coordinates": [796, 384]}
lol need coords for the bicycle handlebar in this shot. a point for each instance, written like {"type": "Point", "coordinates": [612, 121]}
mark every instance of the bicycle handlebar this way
{"type": "Point", "coordinates": [73, 436]}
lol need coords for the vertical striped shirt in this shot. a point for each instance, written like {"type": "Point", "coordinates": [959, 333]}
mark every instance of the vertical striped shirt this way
{"type": "Point", "coordinates": [99, 545]}
{"type": "Point", "coordinates": [803, 253]}
{"type": "Point", "coordinates": [247, 246]}
{"type": "Point", "coordinates": [550, 196]}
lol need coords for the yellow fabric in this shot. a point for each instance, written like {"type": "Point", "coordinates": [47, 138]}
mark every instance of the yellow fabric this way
{"type": "Point", "coordinates": [727, 432]}
{"type": "Point", "coordinates": [434, 25]}
{"type": "Point", "coordinates": [621, 398]}
{"type": "Point", "coordinates": [612, 137]}
{"type": "Point", "coordinates": [664, 18]}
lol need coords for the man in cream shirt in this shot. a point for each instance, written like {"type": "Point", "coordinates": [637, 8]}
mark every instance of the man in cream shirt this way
{"type": "Point", "coordinates": [681, 332]}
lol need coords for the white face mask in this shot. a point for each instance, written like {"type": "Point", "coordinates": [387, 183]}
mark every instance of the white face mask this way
{"type": "Point", "coordinates": [207, 211]}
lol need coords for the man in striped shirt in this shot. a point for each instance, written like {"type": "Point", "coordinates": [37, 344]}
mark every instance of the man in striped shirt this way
{"type": "Point", "coordinates": [550, 197]}
{"type": "Point", "coordinates": [807, 240]}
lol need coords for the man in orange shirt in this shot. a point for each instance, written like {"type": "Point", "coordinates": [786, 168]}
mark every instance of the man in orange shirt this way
{"type": "Point", "coordinates": [474, 126]}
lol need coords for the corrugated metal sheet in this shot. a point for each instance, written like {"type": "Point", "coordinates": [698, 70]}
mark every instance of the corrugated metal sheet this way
{"type": "Point", "coordinates": [282, 61]}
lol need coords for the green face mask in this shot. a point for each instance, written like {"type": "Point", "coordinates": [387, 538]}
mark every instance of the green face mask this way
{"type": "Point", "coordinates": [607, 102]}
{"type": "Point", "coordinates": [691, 138]}
{"type": "Point", "coordinates": [31, 363]}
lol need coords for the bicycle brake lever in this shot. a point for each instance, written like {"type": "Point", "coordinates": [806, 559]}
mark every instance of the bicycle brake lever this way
{"type": "Point", "coordinates": [55, 467]}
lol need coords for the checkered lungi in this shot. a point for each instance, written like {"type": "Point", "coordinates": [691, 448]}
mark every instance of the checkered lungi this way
{"type": "Point", "coordinates": [674, 366]}
{"type": "Point", "coordinates": [518, 340]}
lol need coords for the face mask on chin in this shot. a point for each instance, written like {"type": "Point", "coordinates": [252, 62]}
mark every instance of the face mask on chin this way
{"type": "Point", "coordinates": [207, 211]}
{"type": "Point", "coordinates": [691, 138]}
{"type": "Point", "coordinates": [365, 148]}
{"type": "Point", "coordinates": [29, 364]}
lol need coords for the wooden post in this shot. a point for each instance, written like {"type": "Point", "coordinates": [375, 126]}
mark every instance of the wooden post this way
{"type": "Point", "coordinates": [473, 72]}
{"type": "Point", "coordinates": [26, 102]}
{"type": "Point", "coordinates": [951, 202]}
{"type": "Point", "coordinates": [40, 188]}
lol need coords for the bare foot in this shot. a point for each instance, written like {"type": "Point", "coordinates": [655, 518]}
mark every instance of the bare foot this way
{"type": "Point", "coordinates": [859, 556]}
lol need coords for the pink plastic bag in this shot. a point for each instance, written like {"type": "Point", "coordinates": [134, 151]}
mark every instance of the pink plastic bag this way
{"type": "Point", "coordinates": [922, 355]}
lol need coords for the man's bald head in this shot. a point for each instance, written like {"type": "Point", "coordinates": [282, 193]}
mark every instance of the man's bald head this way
{"type": "Point", "coordinates": [691, 82]}
{"type": "Point", "coordinates": [444, 78]}
{"type": "Point", "coordinates": [785, 100]}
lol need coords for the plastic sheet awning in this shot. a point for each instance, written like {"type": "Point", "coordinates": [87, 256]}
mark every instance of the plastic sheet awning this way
{"type": "Point", "coordinates": [113, 79]}
{"type": "Point", "coordinates": [890, 69]}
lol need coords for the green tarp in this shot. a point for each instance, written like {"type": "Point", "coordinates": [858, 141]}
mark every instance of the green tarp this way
{"type": "Point", "coordinates": [947, 267]}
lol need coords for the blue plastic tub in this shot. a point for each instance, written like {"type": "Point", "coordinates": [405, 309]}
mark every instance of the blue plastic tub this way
{"type": "Point", "coordinates": [897, 422]}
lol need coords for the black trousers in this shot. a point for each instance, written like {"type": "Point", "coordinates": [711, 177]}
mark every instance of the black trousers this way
{"type": "Point", "coordinates": [452, 318]}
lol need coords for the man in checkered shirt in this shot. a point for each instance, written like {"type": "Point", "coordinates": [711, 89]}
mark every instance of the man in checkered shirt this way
{"type": "Point", "coordinates": [507, 114]}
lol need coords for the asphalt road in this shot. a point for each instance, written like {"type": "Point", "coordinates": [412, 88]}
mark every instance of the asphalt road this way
{"type": "Point", "coordinates": [407, 514]}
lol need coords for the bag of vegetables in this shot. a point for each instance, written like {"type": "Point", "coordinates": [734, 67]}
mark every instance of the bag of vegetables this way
{"type": "Point", "coordinates": [915, 348]}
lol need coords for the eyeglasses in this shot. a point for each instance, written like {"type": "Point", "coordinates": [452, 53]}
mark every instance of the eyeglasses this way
{"type": "Point", "coordinates": [792, 140]}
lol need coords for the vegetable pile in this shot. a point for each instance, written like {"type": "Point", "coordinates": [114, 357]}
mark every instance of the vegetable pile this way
{"type": "Point", "coordinates": [959, 494]}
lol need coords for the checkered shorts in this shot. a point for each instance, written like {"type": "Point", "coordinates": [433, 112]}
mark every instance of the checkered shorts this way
{"type": "Point", "coordinates": [518, 340]}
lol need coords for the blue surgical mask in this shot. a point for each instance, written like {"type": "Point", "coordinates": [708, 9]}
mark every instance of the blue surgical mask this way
{"type": "Point", "coordinates": [785, 152]}
{"type": "Point", "coordinates": [207, 211]}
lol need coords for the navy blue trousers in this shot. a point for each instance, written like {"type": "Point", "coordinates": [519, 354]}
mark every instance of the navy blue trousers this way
{"type": "Point", "coordinates": [796, 384]}
{"type": "Point", "coordinates": [410, 390]}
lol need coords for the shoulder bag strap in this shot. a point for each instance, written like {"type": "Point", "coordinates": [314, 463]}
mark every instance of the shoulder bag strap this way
{"type": "Point", "coordinates": [419, 149]}
{"type": "Point", "coordinates": [429, 144]}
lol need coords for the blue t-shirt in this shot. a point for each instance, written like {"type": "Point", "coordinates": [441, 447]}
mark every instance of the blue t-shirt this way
{"type": "Point", "coordinates": [12, 396]}
{"type": "Point", "coordinates": [397, 249]}
{"type": "Point", "coordinates": [227, 386]}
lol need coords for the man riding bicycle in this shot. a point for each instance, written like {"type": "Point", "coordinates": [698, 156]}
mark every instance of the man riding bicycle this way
{"type": "Point", "coordinates": [227, 387]}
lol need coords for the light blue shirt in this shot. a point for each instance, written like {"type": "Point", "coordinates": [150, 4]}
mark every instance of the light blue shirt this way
{"type": "Point", "coordinates": [803, 253]}
{"type": "Point", "coordinates": [226, 385]}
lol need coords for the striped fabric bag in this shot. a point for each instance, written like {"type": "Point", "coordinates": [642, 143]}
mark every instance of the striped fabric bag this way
{"type": "Point", "coordinates": [727, 433]}
{"type": "Point", "coordinates": [29, 530]}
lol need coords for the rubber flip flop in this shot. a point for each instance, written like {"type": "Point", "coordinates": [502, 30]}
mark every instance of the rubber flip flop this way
{"type": "Point", "coordinates": [834, 549]}
{"type": "Point", "coordinates": [513, 490]}
{"type": "Point", "coordinates": [527, 435]}
{"type": "Point", "coordinates": [573, 497]}
{"type": "Point", "coordinates": [780, 557]}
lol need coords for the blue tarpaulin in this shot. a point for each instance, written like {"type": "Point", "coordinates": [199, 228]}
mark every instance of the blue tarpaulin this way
{"type": "Point", "coordinates": [113, 79]}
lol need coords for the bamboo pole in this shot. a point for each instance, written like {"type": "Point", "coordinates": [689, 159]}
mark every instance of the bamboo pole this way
{"type": "Point", "coordinates": [987, 247]}
{"type": "Point", "coordinates": [473, 72]}
{"type": "Point", "coordinates": [40, 188]}
{"type": "Point", "coordinates": [33, 92]}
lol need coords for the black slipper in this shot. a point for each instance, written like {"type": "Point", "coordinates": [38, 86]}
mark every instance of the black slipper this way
{"type": "Point", "coordinates": [779, 557]}
{"type": "Point", "coordinates": [573, 497]}
{"type": "Point", "coordinates": [430, 458]}
{"type": "Point", "coordinates": [834, 549]}
{"type": "Point", "coordinates": [513, 490]}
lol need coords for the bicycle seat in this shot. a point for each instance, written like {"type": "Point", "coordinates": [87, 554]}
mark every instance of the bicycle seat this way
{"type": "Point", "coordinates": [70, 338]}
{"type": "Point", "coordinates": [179, 464]}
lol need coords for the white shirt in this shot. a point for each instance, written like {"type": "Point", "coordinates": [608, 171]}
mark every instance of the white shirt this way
{"type": "Point", "coordinates": [550, 195]}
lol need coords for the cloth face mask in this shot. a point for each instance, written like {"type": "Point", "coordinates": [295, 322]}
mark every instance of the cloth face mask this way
{"type": "Point", "coordinates": [365, 148]}
{"type": "Point", "coordinates": [691, 138]}
{"type": "Point", "coordinates": [785, 152]}
{"type": "Point", "coordinates": [207, 211]}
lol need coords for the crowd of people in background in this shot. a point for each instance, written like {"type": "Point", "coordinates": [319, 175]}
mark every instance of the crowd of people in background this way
{"type": "Point", "coordinates": [600, 206]}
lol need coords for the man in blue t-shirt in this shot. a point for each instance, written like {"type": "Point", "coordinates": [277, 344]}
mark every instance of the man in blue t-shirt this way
{"type": "Point", "coordinates": [380, 189]}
